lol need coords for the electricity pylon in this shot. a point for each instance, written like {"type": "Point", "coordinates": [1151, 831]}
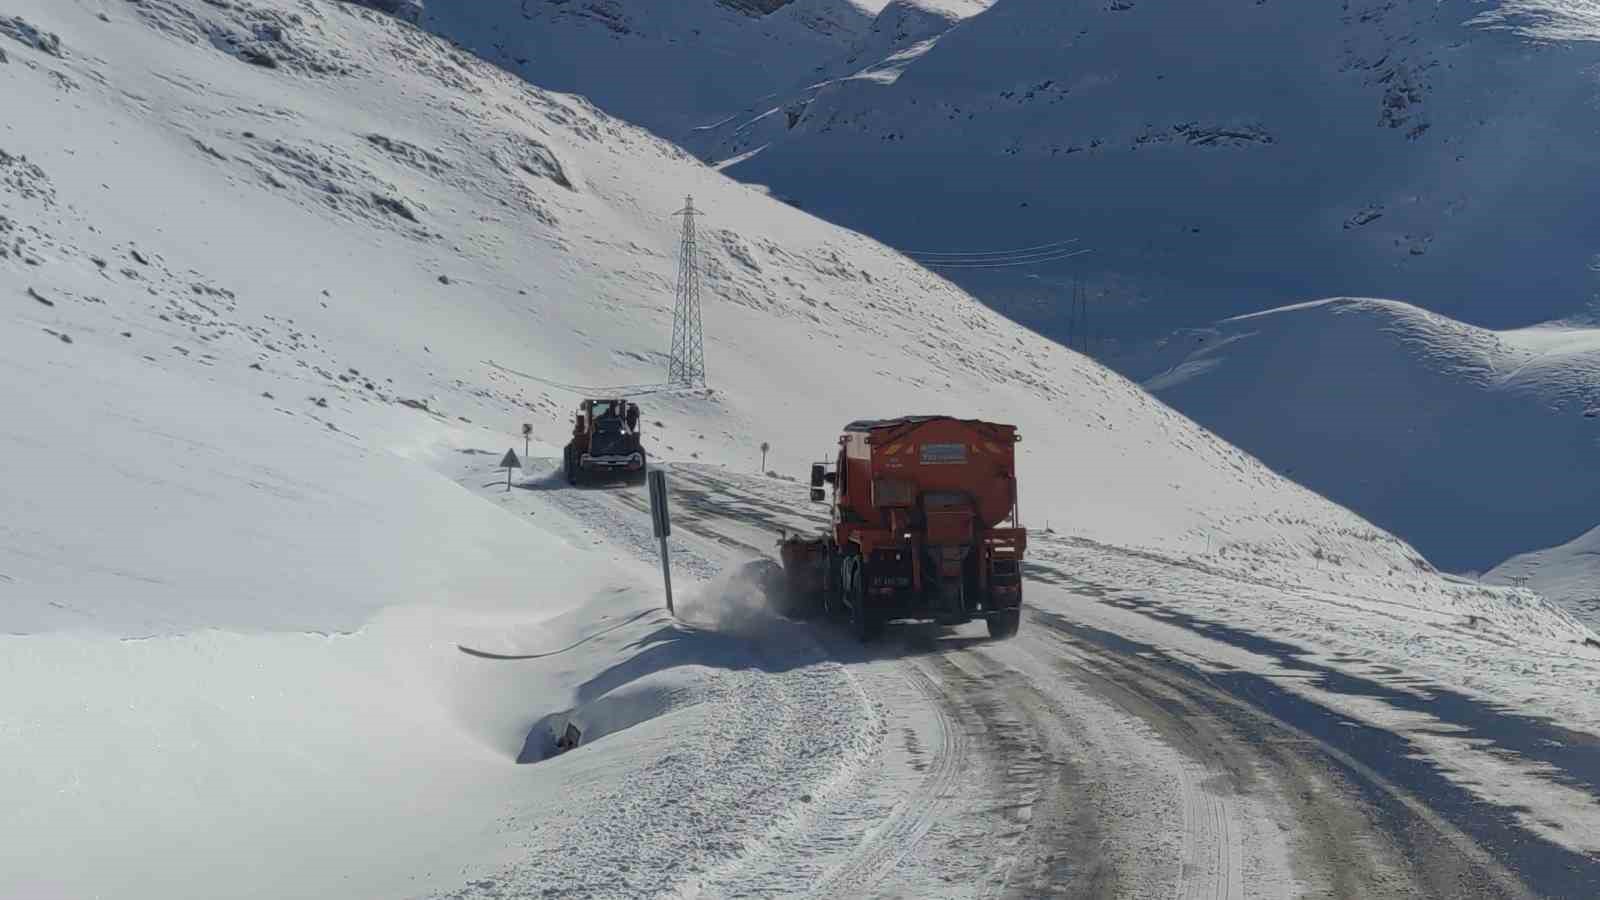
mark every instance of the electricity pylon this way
{"type": "Point", "coordinates": [688, 365]}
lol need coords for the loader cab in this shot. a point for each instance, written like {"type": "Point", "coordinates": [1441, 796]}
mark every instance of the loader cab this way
{"type": "Point", "coordinates": [594, 414]}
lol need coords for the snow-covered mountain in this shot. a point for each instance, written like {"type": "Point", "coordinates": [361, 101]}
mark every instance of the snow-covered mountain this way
{"type": "Point", "coordinates": [665, 66]}
{"type": "Point", "coordinates": [280, 280]}
{"type": "Point", "coordinates": [1568, 574]}
{"type": "Point", "coordinates": [1475, 444]}
{"type": "Point", "coordinates": [690, 66]}
{"type": "Point", "coordinates": [1219, 157]}
{"type": "Point", "coordinates": [326, 219]}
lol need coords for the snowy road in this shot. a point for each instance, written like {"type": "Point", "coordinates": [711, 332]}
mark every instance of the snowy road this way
{"type": "Point", "coordinates": [1081, 759]}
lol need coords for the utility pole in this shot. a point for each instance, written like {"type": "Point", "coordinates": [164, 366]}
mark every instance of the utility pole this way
{"type": "Point", "coordinates": [688, 365]}
{"type": "Point", "coordinates": [1078, 319]}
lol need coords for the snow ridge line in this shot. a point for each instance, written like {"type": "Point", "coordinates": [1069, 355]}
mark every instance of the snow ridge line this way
{"type": "Point", "coordinates": [627, 390]}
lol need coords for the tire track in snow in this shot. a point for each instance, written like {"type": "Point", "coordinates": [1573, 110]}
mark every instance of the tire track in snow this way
{"type": "Point", "coordinates": [911, 818]}
{"type": "Point", "coordinates": [1339, 812]}
{"type": "Point", "coordinates": [1028, 779]}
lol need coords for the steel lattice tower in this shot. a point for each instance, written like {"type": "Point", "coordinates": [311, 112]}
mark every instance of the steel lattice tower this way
{"type": "Point", "coordinates": [688, 365]}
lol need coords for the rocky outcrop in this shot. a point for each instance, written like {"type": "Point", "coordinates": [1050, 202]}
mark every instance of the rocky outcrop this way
{"type": "Point", "coordinates": [756, 7]}
{"type": "Point", "coordinates": [404, 10]}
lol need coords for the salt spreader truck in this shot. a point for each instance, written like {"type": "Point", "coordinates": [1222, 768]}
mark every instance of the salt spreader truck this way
{"type": "Point", "coordinates": [924, 526]}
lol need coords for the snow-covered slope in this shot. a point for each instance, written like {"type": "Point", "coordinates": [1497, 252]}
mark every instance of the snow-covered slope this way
{"type": "Point", "coordinates": [271, 271]}
{"type": "Point", "coordinates": [1219, 157]}
{"type": "Point", "coordinates": [1475, 445]}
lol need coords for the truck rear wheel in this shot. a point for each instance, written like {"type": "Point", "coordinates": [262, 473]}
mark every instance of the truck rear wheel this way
{"type": "Point", "coordinates": [866, 623]}
{"type": "Point", "coordinates": [1003, 625]}
{"type": "Point", "coordinates": [832, 596]}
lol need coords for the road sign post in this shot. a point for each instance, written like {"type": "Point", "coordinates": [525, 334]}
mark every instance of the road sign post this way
{"type": "Point", "coordinates": [527, 435]}
{"type": "Point", "coordinates": [662, 526]}
{"type": "Point", "coordinates": [509, 462]}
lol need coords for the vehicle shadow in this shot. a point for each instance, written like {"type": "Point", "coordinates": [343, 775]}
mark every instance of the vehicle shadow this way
{"type": "Point", "coordinates": [555, 481]}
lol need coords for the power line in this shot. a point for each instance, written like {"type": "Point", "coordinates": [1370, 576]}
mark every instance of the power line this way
{"type": "Point", "coordinates": [623, 390]}
{"type": "Point", "coordinates": [1006, 264]}
{"type": "Point", "coordinates": [1021, 251]}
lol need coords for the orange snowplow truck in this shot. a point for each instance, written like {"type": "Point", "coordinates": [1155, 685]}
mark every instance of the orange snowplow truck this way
{"type": "Point", "coordinates": [924, 526]}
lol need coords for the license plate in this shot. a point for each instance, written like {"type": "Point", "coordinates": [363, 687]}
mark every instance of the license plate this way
{"type": "Point", "coordinates": [943, 454]}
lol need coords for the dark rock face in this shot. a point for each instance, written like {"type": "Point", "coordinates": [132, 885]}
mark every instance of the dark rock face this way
{"type": "Point", "coordinates": [404, 10]}
{"type": "Point", "coordinates": [756, 7]}
{"type": "Point", "coordinates": [18, 29]}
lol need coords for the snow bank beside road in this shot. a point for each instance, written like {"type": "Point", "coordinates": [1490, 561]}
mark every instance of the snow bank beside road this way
{"type": "Point", "coordinates": [385, 762]}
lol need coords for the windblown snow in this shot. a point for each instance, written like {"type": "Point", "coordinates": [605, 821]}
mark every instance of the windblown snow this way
{"type": "Point", "coordinates": [280, 281]}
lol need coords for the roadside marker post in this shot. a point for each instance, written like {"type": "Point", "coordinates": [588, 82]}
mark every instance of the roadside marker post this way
{"type": "Point", "coordinates": [662, 526]}
{"type": "Point", "coordinates": [509, 462]}
{"type": "Point", "coordinates": [527, 435]}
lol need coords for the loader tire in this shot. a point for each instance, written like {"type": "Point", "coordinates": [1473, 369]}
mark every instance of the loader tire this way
{"type": "Point", "coordinates": [1004, 625]}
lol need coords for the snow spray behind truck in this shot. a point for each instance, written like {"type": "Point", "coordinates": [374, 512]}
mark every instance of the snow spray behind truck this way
{"type": "Point", "coordinates": [924, 526]}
